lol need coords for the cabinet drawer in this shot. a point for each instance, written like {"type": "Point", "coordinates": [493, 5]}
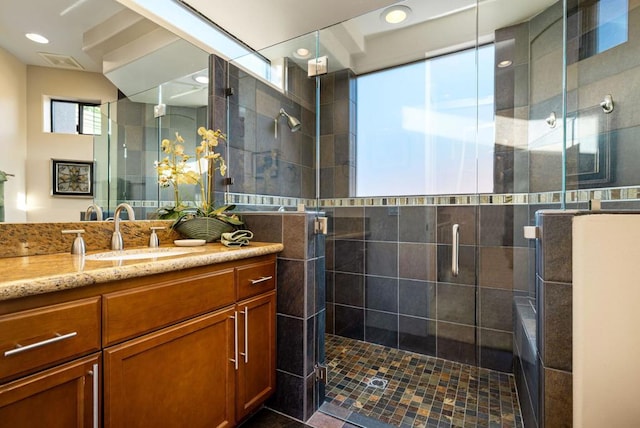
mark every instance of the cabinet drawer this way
{"type": "Point", "coordinates": [255, 279]}
{"type": "Point", "coordinates": [39, 338]}
{"type": "Point", "coordinates": [130, 313]}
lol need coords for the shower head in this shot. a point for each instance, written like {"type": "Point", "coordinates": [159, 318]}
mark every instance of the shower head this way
{"type": "Point", "coordinates": [292, 122]}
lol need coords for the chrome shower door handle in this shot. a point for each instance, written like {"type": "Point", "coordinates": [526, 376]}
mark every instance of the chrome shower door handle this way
{"type": "Point", "coordinates": [455, 249]}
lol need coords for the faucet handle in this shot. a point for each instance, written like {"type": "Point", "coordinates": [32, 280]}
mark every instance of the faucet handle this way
{"type": "Point", "coordinates": [78, 246]}
{"type": "Point", "coordinates": [154, 241]}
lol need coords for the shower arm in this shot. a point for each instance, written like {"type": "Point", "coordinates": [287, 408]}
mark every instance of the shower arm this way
{"type": "Point", "coordinates": [292, 122]}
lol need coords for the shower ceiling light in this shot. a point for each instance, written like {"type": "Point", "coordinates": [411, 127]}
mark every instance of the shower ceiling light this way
{"type": "Point", "coordinates": [201, 79]}
{"type": "Point", "coordinates": [35, 37]}
{"type": "Point", "coordinates": [302, 53]}
{"type": "Point", "coordinates": [395, 14]}
{"type": "Point", "coordinates": [504, 64]}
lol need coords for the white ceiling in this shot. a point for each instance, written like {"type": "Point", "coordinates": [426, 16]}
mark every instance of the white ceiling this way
{"type": "Point", "coordinates": [363, 44]}
{"type": "Point", "coordinates": [263, 23]}
{"type": "Point", "coordinates": [62, 21]}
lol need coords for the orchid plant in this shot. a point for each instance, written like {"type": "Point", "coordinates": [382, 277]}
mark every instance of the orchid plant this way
{"type": "Point", "coordinates": [175, 169]}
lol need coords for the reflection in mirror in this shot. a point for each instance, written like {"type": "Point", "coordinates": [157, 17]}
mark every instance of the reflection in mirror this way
{"type": "Point", "coordinates": [137, 125]}
{"type": "Point", "coordinates": [99, 52]}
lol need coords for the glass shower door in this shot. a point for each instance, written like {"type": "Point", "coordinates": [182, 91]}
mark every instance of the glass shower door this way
{"type": "Point", "coordinates": [399, 179]}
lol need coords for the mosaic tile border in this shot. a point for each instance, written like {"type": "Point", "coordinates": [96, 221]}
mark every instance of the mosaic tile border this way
{"type": "Point", "coordinates": [631, 193]}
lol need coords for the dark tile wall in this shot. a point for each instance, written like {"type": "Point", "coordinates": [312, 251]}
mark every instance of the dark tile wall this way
{"type": "Point", "coordinates": [337, 134]}
{"type": "Point", "coordinates": [260, 162]}
{"type": "Point", "coordinates": [545, 96]}
{"type": "Point", "coordinates": [301, 312]}
{"type": "Point", "coordinates": [511, 154]}
{"type": "Point", "coordinates": [554, 319]}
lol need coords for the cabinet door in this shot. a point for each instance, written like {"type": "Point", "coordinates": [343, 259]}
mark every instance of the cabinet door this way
{"type": "Point", "coordinates": [181, 376]}
{"type": "Point", "coordinates": [257, 369]}
{"type": "Point", "coordinates": [65, 396]}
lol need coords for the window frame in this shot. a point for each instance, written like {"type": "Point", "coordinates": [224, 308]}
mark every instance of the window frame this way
{"type": "Point", "coordinates": [79, 117]}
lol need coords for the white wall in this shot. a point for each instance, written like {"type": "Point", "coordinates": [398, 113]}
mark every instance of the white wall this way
{"type": "Point", "coordinates": [42, 146]}
{"type": "Point", "coordinates": [13, 134]}
{"type": "Point", "coordinates": [606, 342]}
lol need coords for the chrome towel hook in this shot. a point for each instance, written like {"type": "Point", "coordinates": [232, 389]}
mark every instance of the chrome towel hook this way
{"type": "Point", "coordinates": [607, 104]}
{"type": "Point", "coordinates": [551, 120]}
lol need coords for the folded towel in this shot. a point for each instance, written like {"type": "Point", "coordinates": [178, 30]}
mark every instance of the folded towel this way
{"type": "Point", "coordinates": [238, 238]}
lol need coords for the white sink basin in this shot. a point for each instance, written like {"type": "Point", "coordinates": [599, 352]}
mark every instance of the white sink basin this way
{"type": "Point", "coordinates": [140, 253]}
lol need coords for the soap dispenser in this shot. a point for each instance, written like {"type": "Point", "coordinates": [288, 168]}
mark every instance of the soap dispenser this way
{"type": "Point", "coordinates": [154, 242]}
{"type": "Point", "coordinates": [78, 246]}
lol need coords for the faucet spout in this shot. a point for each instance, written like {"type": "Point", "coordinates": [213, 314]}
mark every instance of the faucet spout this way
{"type": "Point", "coordinates": [116, 238]}
{"type": "Point", "coordinates": [91, 209]}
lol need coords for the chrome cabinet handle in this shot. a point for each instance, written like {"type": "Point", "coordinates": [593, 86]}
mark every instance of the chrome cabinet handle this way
{"type": "Point", "coordinates": [455, 267]}
{"type": "Point", "coordinates": [246, 334]}
{"type": "Point", "coordinates": [259, 280]}
{"type": "Point", "coordinates": [235, 340]}
{"type": "Point", "coordinates": [59, 337]}
{"type": "Point", "coordinates": [95, 385]}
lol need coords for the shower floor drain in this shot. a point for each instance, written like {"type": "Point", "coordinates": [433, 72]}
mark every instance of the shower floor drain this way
{"type": "Point", "coordinates": [376, 382]}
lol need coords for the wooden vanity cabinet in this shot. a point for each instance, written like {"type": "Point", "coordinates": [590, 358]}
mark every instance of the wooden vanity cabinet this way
{"type": "Point", "coordinates": [186, 348]}
{"type": "Point", "coordinates": [65, 396]}
{"type": "Point", "coordinates": [43, 382]}
{"type": "Point", "coordinates": [257, 362]}
{"type": "Point", "coordinates": [180, 376]}
{"type": "Point", "coordinates": [209, 361]}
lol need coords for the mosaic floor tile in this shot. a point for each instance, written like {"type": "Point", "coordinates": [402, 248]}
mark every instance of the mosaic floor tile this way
{"type": "Point", "coordinates": [420, 391]}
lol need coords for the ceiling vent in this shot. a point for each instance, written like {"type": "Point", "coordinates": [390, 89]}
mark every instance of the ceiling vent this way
{"type": "Point", "coordinates": [61, 61]}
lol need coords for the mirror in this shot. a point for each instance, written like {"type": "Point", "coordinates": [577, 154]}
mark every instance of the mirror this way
{"type": "Point", "coordinates": [138, 124]}
{"type": "Point", "coordinates": [99, 52]}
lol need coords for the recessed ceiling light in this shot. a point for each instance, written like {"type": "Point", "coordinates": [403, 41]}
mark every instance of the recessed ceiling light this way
{"type": "Point", "coordinates": [505, 63]}
{"type": "Point", "coordinates": [201, 79]}
{"type": "Point", "coordinates": [34, 37]}
{"type": "Point", "coordinates": [302, 53]}
{"type": "Point", "coordinates": [395, 14]}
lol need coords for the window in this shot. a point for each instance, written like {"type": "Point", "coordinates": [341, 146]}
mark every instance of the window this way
{"type": "Point", "coordinates": [72, 117]}
{"type": "Point", "coordinates": [426, 128]}
{"type": "Point", "coordinates": [604, 24]}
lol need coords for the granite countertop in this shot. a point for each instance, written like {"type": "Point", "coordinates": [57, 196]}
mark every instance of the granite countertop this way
{"type": "Point", "coordinates": [31, 275]}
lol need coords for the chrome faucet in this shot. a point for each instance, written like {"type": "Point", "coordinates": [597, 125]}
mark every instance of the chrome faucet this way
{"type": "Point", "coordinates": [93, 208]}
{"type": "Point", "coordinates": [116, 238]}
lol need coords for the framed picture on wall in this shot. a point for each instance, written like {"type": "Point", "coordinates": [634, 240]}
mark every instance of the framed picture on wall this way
{"type": "Point", "coordinates": [72, 178]}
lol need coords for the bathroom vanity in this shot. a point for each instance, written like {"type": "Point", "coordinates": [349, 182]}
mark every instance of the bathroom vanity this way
{"type": "Point", "coordinates": [187, 340]}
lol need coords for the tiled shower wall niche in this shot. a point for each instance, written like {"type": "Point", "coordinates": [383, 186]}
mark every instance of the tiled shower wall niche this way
{"type": "Point", "coordinates": [300, 308]}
